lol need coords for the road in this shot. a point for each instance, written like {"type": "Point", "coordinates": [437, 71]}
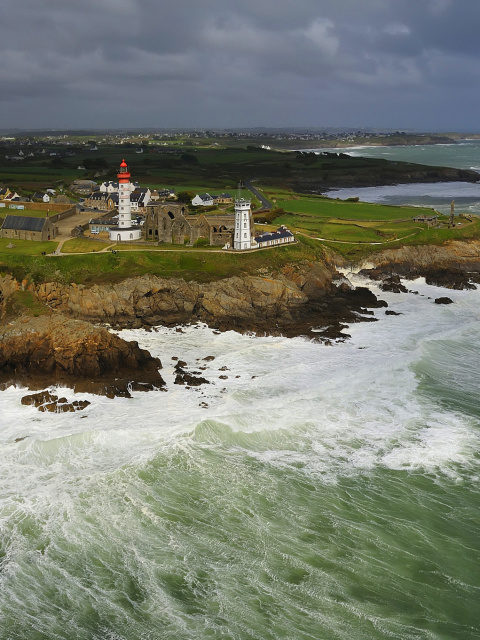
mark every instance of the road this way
{"type": "Point", "coordinates": [266, 204]}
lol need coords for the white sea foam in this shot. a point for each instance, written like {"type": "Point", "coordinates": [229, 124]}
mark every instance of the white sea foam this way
{"type": "Point", "coordinates": [348, 407]}
{"type": "Point", "coordinates": [411, 192]}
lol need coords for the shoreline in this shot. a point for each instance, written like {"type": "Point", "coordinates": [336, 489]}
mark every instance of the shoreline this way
{"type": "Point", "coordinates": [66, 343]}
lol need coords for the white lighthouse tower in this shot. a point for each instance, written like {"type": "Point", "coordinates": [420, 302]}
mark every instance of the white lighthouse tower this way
{"type": "Point", "coordinates": [242, 238]}
{"type": "Point", "coordinates": [125, 231]}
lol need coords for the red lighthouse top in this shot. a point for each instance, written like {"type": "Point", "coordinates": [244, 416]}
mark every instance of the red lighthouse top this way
{"type": "Point", "coordinates": [123, 173]}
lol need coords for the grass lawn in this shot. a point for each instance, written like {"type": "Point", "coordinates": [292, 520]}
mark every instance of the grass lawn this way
{"type": "Point", "coordinates": [161, 247]}
{"type": "Point", "coordinates": [84, 245]}
{"type": "Point", "coordinates": [29, 213]}
{"type": "Point", "coordinates": [424, 236]}
{"type": "Point", "coordinates": [325, 208]}
{"type": "Point", "coordinates": [25, 247]}
{"type": "Point", "coordinates": [201, 266]}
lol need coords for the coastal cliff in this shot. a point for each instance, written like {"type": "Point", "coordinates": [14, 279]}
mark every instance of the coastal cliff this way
{"type": "Point", "coordinates": [292, 301]}
{"type": "Point", "coordinates": [60, 342]}
{"type": "Point", "coordinates": [454, 265]}
{"type": "Point", "coordinates": [50, 335]}
{"type": "Point", "coordinates": [52, 349]}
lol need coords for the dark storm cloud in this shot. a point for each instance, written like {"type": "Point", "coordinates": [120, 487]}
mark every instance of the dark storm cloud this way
{"type": "Point", "coordinates": [239, 63]}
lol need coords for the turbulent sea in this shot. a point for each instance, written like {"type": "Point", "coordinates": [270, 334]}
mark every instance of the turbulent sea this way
{"type": "Point", "coordinates": [325, 492]}
{"type": "Point", "coordinates": [319, 492]}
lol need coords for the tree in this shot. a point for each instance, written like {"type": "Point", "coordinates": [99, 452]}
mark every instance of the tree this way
{"type": "Point", "coordinates": [185, 196]}
{"type": "Point", "coordinates": [93, 164]}
{"type": "Point", "coordinates": [189, 159]}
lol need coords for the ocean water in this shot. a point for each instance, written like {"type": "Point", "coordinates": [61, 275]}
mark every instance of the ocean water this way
{"type": "Point", "coordinates": [325, 492]}
{"type": "Point", "coordinates": [463, 155]}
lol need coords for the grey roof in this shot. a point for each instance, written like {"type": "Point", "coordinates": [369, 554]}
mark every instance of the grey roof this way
{"type": "Point", "coordinates": [275, 235]}
{"type": "Point", "coordinates": [23, 223]}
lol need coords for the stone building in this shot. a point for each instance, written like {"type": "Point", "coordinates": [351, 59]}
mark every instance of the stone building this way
{"type": "Point", "coordinates": [218, 229]}
{"type": "Point", "coordinates": [167, 222]}
{"type": "Point", "coordinates": [28, 228]}
{"type": "Point", "coordinates": [101, 201]}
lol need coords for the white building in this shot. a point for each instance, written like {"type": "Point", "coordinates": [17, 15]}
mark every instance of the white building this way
{"type": "Point", "coordinates": [125, 231]}
{"type": "Point", "coordinates": [202, 200]}
{"type": "Point", "coordinates": [109, 187]}
{"type": "Point", "coordinates": [273, 238]}
{"type": "Point", "coordinates": [242, 238]}
{"type": "Point", "coordinates": [112, 187]}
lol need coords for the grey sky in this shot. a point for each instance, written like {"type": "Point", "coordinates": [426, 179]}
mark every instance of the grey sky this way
{"type": "Point", "coordinates": [240, 63]}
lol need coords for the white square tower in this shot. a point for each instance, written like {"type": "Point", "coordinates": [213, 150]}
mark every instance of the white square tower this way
{"type": "Point", "coordinates": [242, 238]}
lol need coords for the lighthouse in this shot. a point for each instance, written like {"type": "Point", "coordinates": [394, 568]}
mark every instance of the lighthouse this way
{"type": "Point", "coordinates": [125, 231]}
{"type": "Point", "coordinates": [242, 238]}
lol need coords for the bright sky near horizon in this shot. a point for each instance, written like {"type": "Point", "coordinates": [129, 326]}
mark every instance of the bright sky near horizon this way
{"type": "Point", "coordinates": [409, 64]}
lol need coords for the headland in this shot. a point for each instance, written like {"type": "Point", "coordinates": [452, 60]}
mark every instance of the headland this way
{"type": "Point", "coordinates": [56, 309]}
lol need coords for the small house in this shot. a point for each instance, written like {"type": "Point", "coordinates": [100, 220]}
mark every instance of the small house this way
{"type": "Point", "coordinates": [202, 200]}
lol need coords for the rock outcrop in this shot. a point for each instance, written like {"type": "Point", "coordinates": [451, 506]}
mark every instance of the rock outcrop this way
{"type": "Point", "coordinates": [454, 265]}
{"type": "Point", "coordinates": [46, 401]}
{"type": "Point", "coordinates": [52, 349]}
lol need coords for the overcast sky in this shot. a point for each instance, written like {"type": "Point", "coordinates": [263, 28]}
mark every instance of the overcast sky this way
{"type": "Point", "coordinates": [240, 63]}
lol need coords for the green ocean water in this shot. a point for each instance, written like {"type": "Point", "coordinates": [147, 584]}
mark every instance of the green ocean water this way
{"type": "Point", "coordinates": [325, 493]}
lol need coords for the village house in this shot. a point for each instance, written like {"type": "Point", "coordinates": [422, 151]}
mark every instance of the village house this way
{"type": "Point", "coordinates": [11, 196]}
{"type": "Point", "coordinates": [222, 198]}
{"type": "Point", "coordinates": [101, 201]}
{"type": "Point", "coordinates": [28, 228]}
{"type": "Point", "coordinates": [161, 194]}
{"type": "Point", "coordinates": [139, 199]}
{"type": "Point", "coordinates": [109, 187]}
{"type": "Point", "coordinates": [112, 187]}
{"type": "Point", "coordinates": [100, 227]}
{"type": "Point", "coordinates": [202, 200]}
{"type": "Point", "coordinates": [40, 197]}
{"type": "Point", "coordinates": [83, 187]}
{"type": "Point", "coordinates": [271, 238]}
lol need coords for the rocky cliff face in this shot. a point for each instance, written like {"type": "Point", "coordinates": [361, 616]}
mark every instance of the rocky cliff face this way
{"type": "Point", "coordinates": [453, 265]}
{"type": "Point", "coordinates": [290, 302]}
{"type": "Point", "coordinates": [52, 349]}
{"type": "Point", "coordinates": [151, 300]}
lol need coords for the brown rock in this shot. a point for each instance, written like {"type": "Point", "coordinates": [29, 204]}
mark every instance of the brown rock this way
{"type": "Point", "coordinates": [39, 398]}
{"type": "Point", "coordinates": [39, 352]}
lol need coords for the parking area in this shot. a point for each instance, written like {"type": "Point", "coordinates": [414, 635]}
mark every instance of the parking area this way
{"type": "Point", "coordinates": [65, 226]}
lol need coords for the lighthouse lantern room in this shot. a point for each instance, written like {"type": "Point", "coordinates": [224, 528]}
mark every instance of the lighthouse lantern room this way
{"type": "Point", "coordinates": [125, 231]}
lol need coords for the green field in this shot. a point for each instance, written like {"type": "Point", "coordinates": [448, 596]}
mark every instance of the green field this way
{"type": "Point", "coordinates": [325, 208]}
{"type": "Point", "coordinates": [90, 245]}
{"type": "Point", "coordinates": [24, 248]}
{"type": "Point", "coordinates": [29, 213]}
{"type": "Point", "coordinates": [84, 245]}
{"type": "Point", "coordinates": [201, 266]}
{"type": "Point", "coordinates": [288, 179]}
